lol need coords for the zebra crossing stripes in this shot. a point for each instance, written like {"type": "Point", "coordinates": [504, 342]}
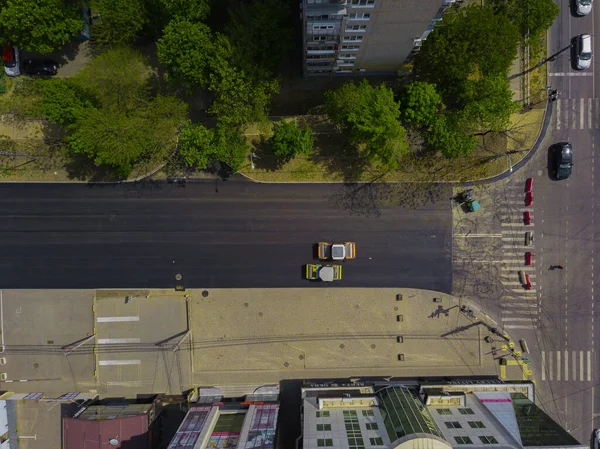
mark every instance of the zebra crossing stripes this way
{"type": "Point", "coordinates": [577, 113]}
{"type": "Point", "coordinates": [567, 365]}
{"type": "Point", "coordinates": [519, 307]}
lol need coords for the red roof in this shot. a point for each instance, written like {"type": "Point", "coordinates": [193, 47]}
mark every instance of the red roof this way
{"type": "Point", "coordinates": [130, 433]}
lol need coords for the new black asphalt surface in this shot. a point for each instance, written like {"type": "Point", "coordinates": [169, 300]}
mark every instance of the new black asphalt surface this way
{"type": "Point", "coordinates": [214, 234]}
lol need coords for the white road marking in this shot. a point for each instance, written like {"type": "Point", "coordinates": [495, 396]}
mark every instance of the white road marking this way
{"type": "Point", "coordinates": [558, 367]}
{"type": "Point", "coordinates": [589, 366]}
{"type": "Point", "coordinates": [492, 236]}
{"type": "Point", "coordinates": [543, 365]}
{"type": "Point", "coordinates": [581, 365]}
{"type": "Point", "coordinates": [108, 341]}
{"type": "Point", "coordinates": [114, 319]}
{"type": "Point", "coordinates": [517, 326]}
{"type": "Point", "coordinates": [550, 367]}
{"type": "Point", "coordinates": [558, 114]}
{"type": "Point", "coordinates": [590, 120]}
{"type": "Point", "coordinates": [119, 362]}
{"type": "Point", "coordinates": [566, 365]}
{"type": "Point", "coordinates": [574, 364]}
{"type": "Point", "coordinates": [570, 74]}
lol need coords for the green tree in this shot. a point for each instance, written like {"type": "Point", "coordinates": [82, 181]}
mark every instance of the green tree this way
{"type": "Point", "coordinates": [112, 139]}
{"type": "Point", "coordinates": [532, 16]}
{"type": "Point", "coordinates": [63, 101]}
{"type": "Point", "coordinates": [475, 41]}
{"type": "Point", "coordinates": [192, 10]}
{"type": "Point", "coordinates": [164, 116]}
{"type": "Point", "coordinates": [118, 78]}
{"type": "Point", "coordinates": [120, 21]}
{"type": "Point", "coordinates": [261, 33]}
{"type": "Point", "coordinates": [420, 103]}
{"type": "Point", "coordinates": [240, 99]}
{"type": "Point", "coordinates": [191, 52]}
{"type": "Point", "coordinates": [40, 26]}
{"type": "Point", "coordinates": [196, 145]}
{"type": "Point", "coordinates": [487, 103]}
{"type": "Point", "coordinates": [447, 136]}
{"type": "Point", "coordinates": [230, 146]}
{"type": "Point", "coordinates": [289, 140]}
{"type": "Point", "coordinates": [370, 116]}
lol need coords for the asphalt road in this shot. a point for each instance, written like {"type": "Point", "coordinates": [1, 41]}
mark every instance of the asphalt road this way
{"type": "Point", "coordinates": [564, 340]}
{"type": "Point", "coordinates": [214, 234]}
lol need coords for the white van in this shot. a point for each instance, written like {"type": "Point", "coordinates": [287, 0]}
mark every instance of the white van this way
{"type": "Point", "coordinates": [583, 51]}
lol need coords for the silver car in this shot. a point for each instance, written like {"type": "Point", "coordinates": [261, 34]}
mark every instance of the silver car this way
{"type": "Point", "coordinates": [583, 7]}
{"type": "Point", "coordinates": [596, 438]}
{"type": "Point", "coordinates": [10, 58]}
{"type": "Point", "coordinates": [582, 45]}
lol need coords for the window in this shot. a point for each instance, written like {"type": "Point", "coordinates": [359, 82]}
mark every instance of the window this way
{"type": "Point", "coordinates": [353, 38]}
{"type": "Point", "coordinates": [355, 440]}
{"type": "Point", "coordinates": [377, 441]}
{"type": "Point", "coordinates": [322, 27]}
{"type": "Point", "coordinates": [347, 56]}
{"type": "Point", "coordinates": [369, 3]}
{"type": "Point", "coordinates": [358, 28]}
{"type": "Point", "coordinates": [466, 411]}
{"type": "Point", "coordinates": [463, 440]}
{"type": "Point", "coordinates": [444, 411]}
{"type": "Point", "coordinates": [372, 426]}
{"type": "Point", "coordinates": [453, 425]}
{"type": "Point", "coordinates": [360, 16]}
{"type": "Point", "coordinates": [323, 414]}
{"type": "Point", "coordinates": [325, 442]}
{"type": "Point", "coordinates": [488, 440]}
{"type": "Point", "coordinates": [476, 425]}
{"type": "Point", "coordinates": [350, 414]}
{"type": "Point", "coordinates": [323, 427]}
{"type": "Point", "coordinates": [368, 413]}
{"type": "Point", "coordinates": [350, 47]}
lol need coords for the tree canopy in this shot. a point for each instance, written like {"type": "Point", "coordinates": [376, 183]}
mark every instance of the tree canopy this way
{"type": "Point", "coordinates": [447, 136]}
{"type": "Point", "coordinates": [289, 139]}
{"type": "Point", "coordinates": [487, 103]}
{"type": "Point", "coordinates": [475, 41]}
{"type": "Point", "coordinates": [420, 103]}
{"type": "Point", "coordinates": [119, 22]}
{"type": "Point", "coordinates": [532, 16]}
{"type": "Point", "coordinates": [40, 26]}
{"type": "Point", "coordinates": [191, 52]}
{"type": "Point", "coordinates": [370, 116]}
{"type": "Point", "coordinates": [260, 33]}
{"type": "Point", "coordinates": [64, 101]}
{"type": "Point", "coordinates": [118, 78]}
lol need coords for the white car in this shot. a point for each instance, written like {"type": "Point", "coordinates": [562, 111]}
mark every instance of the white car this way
{"type": "Point", "coordinates": [10, 58]}
{"type": "Point", "coordinates": [583, 7]}
{"type": "Point", "coordinates": [583, 51]}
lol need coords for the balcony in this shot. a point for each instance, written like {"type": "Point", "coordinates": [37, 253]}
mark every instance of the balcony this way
{"type": "Point", "coordinates": [325, 6]}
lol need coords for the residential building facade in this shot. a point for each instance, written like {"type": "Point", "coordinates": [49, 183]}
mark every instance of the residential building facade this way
{"type": "Point", "coordinates": [366, 37]}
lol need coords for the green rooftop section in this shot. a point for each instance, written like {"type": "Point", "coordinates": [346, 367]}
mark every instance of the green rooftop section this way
{"type": "Point", "coordinates": [230, 422]}
{"type": "Point", "coordinates": [404, 414]}
{"type": "Point", "coordinates": [537, 428]}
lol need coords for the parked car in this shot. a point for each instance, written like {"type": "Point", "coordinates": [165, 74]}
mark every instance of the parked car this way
{"type": "Point", "coordinates": [596, 438]}
{"type": "Point", "coordinates": [563, 160]}
{"type": "Point", "coordinates": [10, 58]}
{"type": "Point", "coordinates": [583, 7]}
{"type": "Point", "coordinates": [582, 46]}
{"type": "Point", "coordinates": [40, 67]}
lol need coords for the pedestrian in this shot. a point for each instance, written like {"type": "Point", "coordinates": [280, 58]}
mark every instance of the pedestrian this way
{"type": "Point", "coordinates": [560, 267]}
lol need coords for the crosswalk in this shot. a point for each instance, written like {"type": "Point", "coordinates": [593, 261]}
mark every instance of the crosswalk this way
{"type": "Point", "coordinates": [567, 366]}
{"type": "Point", "coordinates": [576, 113]}
{"type": "Point", "coordinates": [519, 307]}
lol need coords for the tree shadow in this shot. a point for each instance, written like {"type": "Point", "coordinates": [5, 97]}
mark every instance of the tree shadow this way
{"type": "Point", "coordinates": [264, 158]}
{"type": "Point", "coordinates": [339, 157]}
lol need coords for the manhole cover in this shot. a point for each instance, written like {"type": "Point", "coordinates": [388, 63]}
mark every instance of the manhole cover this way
{"type": "Point", "coordinates": [286, 364]}
{"type": "Point", "coordinates": [205, 293]}
{"type": "Point", "coordinates": [178, 277]}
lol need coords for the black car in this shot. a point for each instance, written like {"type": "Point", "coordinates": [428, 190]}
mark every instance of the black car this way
{"type": "Point", "coordinates": [563, 160]}
{"type": "Point", "coordinates": [39, 67]}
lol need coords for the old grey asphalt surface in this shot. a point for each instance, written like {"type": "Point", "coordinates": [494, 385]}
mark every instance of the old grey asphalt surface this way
{"type": "Point", "coordinates": [214, 234]}
{"type": "Point", "coordinates": [563, 338]}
